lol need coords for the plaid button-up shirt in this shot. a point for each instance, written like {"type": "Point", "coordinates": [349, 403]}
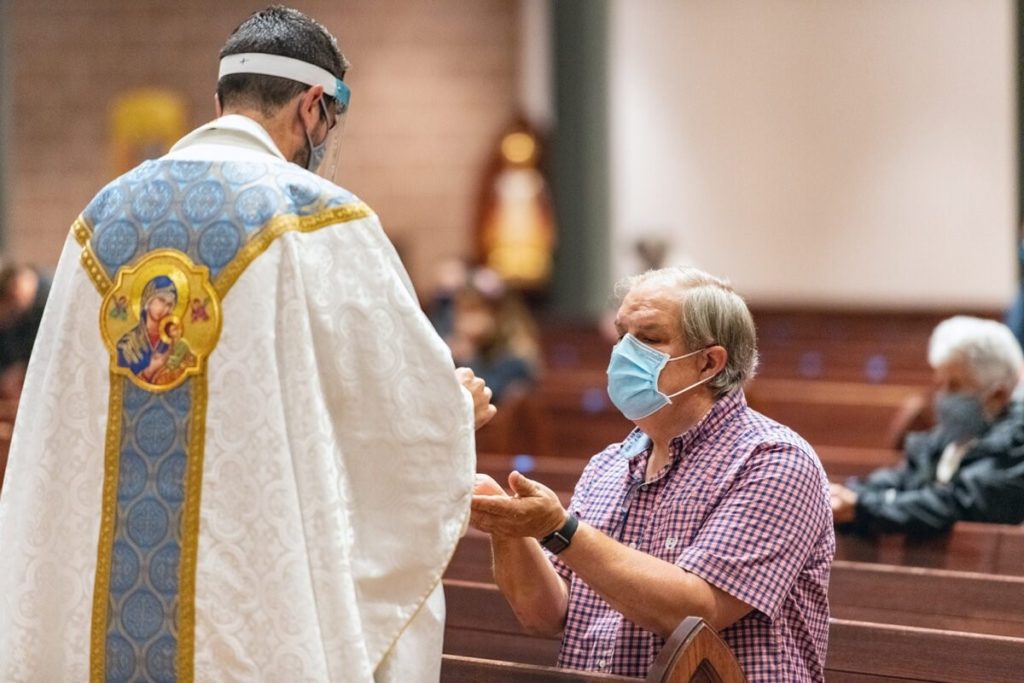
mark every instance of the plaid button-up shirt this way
{"type": "Point", "coordinates": [744, 505]}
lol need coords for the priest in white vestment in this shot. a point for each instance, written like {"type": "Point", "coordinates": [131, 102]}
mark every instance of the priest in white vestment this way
{"type": "Point", "coordinates": [242, 452]}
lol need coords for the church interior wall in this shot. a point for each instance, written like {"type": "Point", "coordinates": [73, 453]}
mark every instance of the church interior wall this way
{"type": "Point", "coordinates": [857, 153]}
{"type": "Point", "coordinates": [434, 84]}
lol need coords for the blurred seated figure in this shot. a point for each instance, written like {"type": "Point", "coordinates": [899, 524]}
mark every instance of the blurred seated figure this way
{"type": "Point", "coordinates": [489, 329]}
{"type": "Point", "coordinates": [970, 466]}
{"type": "Point", "coordinates": [23, 292]}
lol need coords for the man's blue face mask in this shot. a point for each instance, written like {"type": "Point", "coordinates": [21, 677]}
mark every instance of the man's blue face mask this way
{"type": "Point", "coordinates": [633, 374]}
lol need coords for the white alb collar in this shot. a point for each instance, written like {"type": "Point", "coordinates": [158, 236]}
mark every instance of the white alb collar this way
{"type": "Point", "coordinates": [233, 129]}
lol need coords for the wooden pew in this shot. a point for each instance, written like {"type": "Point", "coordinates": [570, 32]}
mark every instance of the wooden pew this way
{"type": "Point", "coordinates": [911, 596]}
{"type": "Point", "coordinates": [843, 413]}
{"type": "Point", "coordinates": [970, 547]}
{"type": "Point", "coordinates": [994, 549]}
{"type": "Point", "coordinates": [571, 414]}
{"type": "Point", "coordinates": [458, 669]}
{"type": "Point", "coordinates": [869, 347]}
{"type": "Point", "coordinates": [562, 473]}
{"type": "Point", "coordinates": [481, 624]}
{"type": "Point", "coordinates": [926, 598]}
{"type": "Point", "coordinates": [862, 652]}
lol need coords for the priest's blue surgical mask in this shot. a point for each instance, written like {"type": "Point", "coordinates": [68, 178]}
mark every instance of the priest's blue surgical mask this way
{"type": "Point", "coordinates": [633, 374]}
{"type": "Point", "coordinates": [961, 415]}
{"type": "Point", "coordinates": [317, 152]}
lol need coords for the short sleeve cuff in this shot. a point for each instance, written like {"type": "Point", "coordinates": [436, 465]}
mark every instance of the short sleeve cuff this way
{"type": "Point", "coordinates": [726, 577]}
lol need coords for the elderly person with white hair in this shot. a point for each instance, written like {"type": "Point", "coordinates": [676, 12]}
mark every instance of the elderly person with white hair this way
{"type": "Point", "coordinates": [707, 508]}
{"type": "Point", "coordinates": [970, 467]}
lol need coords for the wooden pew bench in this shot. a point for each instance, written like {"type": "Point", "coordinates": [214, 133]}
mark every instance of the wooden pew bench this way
{"type": "Point", "coordinates": [825, 344]}
{"type": "Point", "coordinates": [908, 596]}
{"type": "Point", "coordinates": [562, 473]}
{"type": "Point", "coordinates": [458, 669]}
{"type": "Point", "coordinates": [569, 414]}
{"type": "Point", "coordinates": [969, 547]}
{"type": "Point", "coordinates": [481, 624]}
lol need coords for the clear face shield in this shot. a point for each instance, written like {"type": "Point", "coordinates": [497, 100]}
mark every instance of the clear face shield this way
{"type": "Point", "coordinates": [334, 103]}
{"type": "Point", "coordinates": [336, 111]}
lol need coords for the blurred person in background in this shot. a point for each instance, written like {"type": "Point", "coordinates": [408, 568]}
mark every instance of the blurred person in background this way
{"type": "Point", "coordinates": [970, 467]}
{"type": "Point", "coordinates": [489, 329]}
{"type": "Point", "coordinates": [23, 293]}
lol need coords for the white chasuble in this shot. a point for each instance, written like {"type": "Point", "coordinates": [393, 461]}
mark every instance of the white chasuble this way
{"type": "Point", "coordinates": [241, 452]}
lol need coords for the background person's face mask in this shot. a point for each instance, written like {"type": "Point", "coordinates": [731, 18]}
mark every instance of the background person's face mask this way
{"type": "Point", "coordinates": [633, 374]}
{"type": "Point", "coordinates": [960, 415]}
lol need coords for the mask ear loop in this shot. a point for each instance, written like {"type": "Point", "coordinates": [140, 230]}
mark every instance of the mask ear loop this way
{"type": "Point", "coordinates": [695, 384]}
{"type": "Point", "coordinates": [322, 114]}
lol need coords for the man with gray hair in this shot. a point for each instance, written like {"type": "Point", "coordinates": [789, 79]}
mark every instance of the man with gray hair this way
{"type": "Point", "coordinates": [707, 508]}
{"type": "Point", "coordinates": [970, 467]}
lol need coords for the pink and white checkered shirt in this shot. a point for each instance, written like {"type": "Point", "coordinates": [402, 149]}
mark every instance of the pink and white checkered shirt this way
{"type": "Point", "coordinates": [744, 504]}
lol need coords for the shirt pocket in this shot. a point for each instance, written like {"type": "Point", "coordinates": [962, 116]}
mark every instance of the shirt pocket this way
{"type": "Point", "coordinates": [675, 525]}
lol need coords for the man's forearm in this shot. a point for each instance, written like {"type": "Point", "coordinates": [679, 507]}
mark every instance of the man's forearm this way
{"type": "Point", "coordinates": [537, 594]}
{"type": "Point", "coordinates": [654, 594]}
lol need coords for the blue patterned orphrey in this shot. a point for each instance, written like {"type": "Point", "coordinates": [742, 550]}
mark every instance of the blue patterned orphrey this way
{"type": "Point", "coordinates": [207, 211]}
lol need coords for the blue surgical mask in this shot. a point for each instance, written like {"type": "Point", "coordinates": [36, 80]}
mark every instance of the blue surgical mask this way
{"type": "Point", "coordinates": [633, 374]}
{"type": "Point", "coordinates": [317, 152]}
{"type": "Point", "coordinates": [960, 415]}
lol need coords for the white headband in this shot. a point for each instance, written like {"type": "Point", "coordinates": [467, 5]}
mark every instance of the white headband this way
{"type": "Point", "coordinates": [285, 67]}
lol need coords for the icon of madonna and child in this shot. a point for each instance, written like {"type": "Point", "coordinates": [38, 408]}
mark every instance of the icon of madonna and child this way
{"type": "Point", "coordinates": [155, 350]}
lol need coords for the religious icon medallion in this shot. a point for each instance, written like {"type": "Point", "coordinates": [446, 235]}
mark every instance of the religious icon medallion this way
{"type": "Point", "coordinates": [150, 324]}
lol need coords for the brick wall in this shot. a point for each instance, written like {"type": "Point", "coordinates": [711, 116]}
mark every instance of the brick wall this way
{"type": "Point", "coordinates": [433, 85]}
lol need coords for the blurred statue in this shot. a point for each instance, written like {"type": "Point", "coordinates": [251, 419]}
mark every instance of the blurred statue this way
{"type": "Point", "coordinates": [516, 235]}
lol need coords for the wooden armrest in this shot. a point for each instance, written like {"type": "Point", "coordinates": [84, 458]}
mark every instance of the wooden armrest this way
{"type": "Point", "coordinates": [695, 654]}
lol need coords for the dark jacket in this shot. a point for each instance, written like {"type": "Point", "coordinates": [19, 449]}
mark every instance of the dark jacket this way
{"type": "Point", "coordinates": [988, 486]}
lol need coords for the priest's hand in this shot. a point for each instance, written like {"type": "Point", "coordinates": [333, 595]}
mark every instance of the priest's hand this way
{"type": "Point", "coordinates": [534, 510]}
{"type": "Point", "coordinates": [484, 485]}
{"type": "Point", "coordinates": [483, 410]}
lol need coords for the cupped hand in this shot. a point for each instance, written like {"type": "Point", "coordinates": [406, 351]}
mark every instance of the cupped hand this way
{"type": "Point", "coordinates": [534, 510]}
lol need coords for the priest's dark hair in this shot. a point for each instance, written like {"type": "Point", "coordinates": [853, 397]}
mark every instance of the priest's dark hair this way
{"type": "Point", "coordinates": [283, 31]}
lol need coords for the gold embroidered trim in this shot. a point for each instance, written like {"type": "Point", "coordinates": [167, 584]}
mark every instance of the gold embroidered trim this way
{"type": "Point", "coordinates": [83, 233]}
{"type": "Point", "coordinates": [101, 594]}
{"type": "Point", "coordinates": [190, 534]}
{"type": "Point", "coordinates": [81, 230]}
{"type": "Point", "coordinates": [277, 227]}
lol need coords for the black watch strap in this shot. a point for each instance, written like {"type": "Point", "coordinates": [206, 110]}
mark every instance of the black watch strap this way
{"type": "Point", "coordinates": [559, 540]}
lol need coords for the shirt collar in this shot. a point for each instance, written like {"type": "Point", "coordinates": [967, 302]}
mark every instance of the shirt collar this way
{"type": "Point", "coordinates": [721, 411]}
{"type": "Point", "coordinates": [240, 129]}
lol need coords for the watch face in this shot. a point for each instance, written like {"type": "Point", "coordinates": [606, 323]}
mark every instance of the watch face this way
{"type": "Point", "coordinates": [556, 543]}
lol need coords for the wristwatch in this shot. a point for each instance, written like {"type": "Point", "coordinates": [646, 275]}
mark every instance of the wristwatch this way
{"type": "Point", "coordinates": [559, 540]}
